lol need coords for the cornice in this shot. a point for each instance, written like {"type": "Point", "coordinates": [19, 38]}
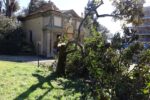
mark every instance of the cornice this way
{"type": "Point", "coordinates": [47, 13]}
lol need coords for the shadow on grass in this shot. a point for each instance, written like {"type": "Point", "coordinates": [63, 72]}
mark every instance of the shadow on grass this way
{"type": "Point", "coordinates": [41, 81]}
{"type": "Point", "coordinates": [75, 85]}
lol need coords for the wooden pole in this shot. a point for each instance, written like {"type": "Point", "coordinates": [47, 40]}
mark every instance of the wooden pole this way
{"type": "Point", "coordinates": [38, 64]}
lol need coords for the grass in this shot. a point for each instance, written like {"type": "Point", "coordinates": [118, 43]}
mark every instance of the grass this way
{"type": "Point", "coordinates": [21, 81]}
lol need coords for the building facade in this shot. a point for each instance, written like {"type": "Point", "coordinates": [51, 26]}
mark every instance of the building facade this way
{"type": "Point", "coordinates": [44, 26]}
{"type": "Point", "coordinates": [144, 29]}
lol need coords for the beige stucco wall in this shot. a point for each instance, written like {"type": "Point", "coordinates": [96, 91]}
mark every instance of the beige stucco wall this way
{"type": "Point", "coordinates": [45, 36]}
{"type": "Point", "coordinates": [47, 20]}
{"type": "Point", "coordinates": [36, 26]}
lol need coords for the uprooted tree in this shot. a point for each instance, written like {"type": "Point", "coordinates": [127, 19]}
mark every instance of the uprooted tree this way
{"type": "Point", "coordinates": [128, 10]}
{"type": "Point", "coordinates": [106, 68]}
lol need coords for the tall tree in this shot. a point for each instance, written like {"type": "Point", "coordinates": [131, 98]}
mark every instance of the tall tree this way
{"type": "Point", "coordinates": [10, 6]}
{"type": "Point", "coordinates": [0, 7]}
{"type": "Point", "coordinates": [35, 4]}
{"type": "Point", "coordinates": [116, 41]}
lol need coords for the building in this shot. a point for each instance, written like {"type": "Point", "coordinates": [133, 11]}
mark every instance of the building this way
{"type": "Point", "coordinates": [144, 29]}
{"type": "Point", "coordinates": [45, 25]}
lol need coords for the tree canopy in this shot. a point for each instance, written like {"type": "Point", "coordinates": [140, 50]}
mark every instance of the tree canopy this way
{"type": "Point", "coordinates": [10, 6]}
{"type": "Point", "coordinates": [35, 5]}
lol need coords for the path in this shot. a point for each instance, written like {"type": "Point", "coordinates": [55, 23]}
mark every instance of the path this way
{"type": "Point", "coordinates": [27, 59]}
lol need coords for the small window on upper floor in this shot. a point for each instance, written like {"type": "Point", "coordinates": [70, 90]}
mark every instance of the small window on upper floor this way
{"type": "Point", "coordinates": [57, 21]}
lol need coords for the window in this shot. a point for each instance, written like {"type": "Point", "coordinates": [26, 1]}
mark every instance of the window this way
{"type": "Point", "coordinates": [57, 21]}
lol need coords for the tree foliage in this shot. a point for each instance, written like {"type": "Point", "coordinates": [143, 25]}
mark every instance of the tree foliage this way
{"type": "Point", "coordinates": [12, 37]}
{"type": "Point", "coordinates": [130, 9]}
{"type": "Point", "coordinates": [116, 41]}
{"type": "Point", "coordinates": [35, 5]}
{"type": "Point", "coordinates": [111, 72]}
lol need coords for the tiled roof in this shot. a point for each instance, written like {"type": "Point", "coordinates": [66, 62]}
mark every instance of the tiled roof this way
{"type": "Point", "coordinates": [70, 13]}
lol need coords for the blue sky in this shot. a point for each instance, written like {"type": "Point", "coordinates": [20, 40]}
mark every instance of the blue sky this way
{"type": "Point", "coordinates": [78, 6]}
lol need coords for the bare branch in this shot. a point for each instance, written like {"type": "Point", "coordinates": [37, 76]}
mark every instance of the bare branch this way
{"type": "Point", "coordinates": [107, 15]}
{"type": "Point", "coordinates": [79, 29]}
{"type": "Point", "coordinates": [76, 42]}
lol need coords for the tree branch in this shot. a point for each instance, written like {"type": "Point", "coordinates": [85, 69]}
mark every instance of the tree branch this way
{"type": "Point", "coordinates": [5, 3]}
{"type": "Point", "coordinates": [99, 4]}
{"type": "Point", "coordinates": [107, 15]}
{"type": "Point", "coordinates": [79, 29]}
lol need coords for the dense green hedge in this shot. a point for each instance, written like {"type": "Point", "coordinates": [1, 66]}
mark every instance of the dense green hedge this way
{"type": "Point", "coordinates": [12, 37]}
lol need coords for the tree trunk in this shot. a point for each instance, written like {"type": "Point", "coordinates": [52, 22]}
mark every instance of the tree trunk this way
{"type": "Point", "coordinates": [60, 70]}
{"type": "Point", "coordinates": [9, 7]}
{"type": "Point", "coordinates": [0, 7]}
{"type": "Point", "coordinates": [8, 12]}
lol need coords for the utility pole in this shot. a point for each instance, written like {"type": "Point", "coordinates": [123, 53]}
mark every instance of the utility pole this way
{"type": "Point", "coordinates": [38, 60]}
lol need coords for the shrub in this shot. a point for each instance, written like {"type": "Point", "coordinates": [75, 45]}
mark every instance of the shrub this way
{"type": "Point", "coordinates": [107, 70]}
{"type": "Point", "coordinates": [12, 37]}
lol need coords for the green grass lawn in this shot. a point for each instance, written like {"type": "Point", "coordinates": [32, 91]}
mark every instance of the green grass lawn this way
{"type": "Point", "coordinates": [21, 81]}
